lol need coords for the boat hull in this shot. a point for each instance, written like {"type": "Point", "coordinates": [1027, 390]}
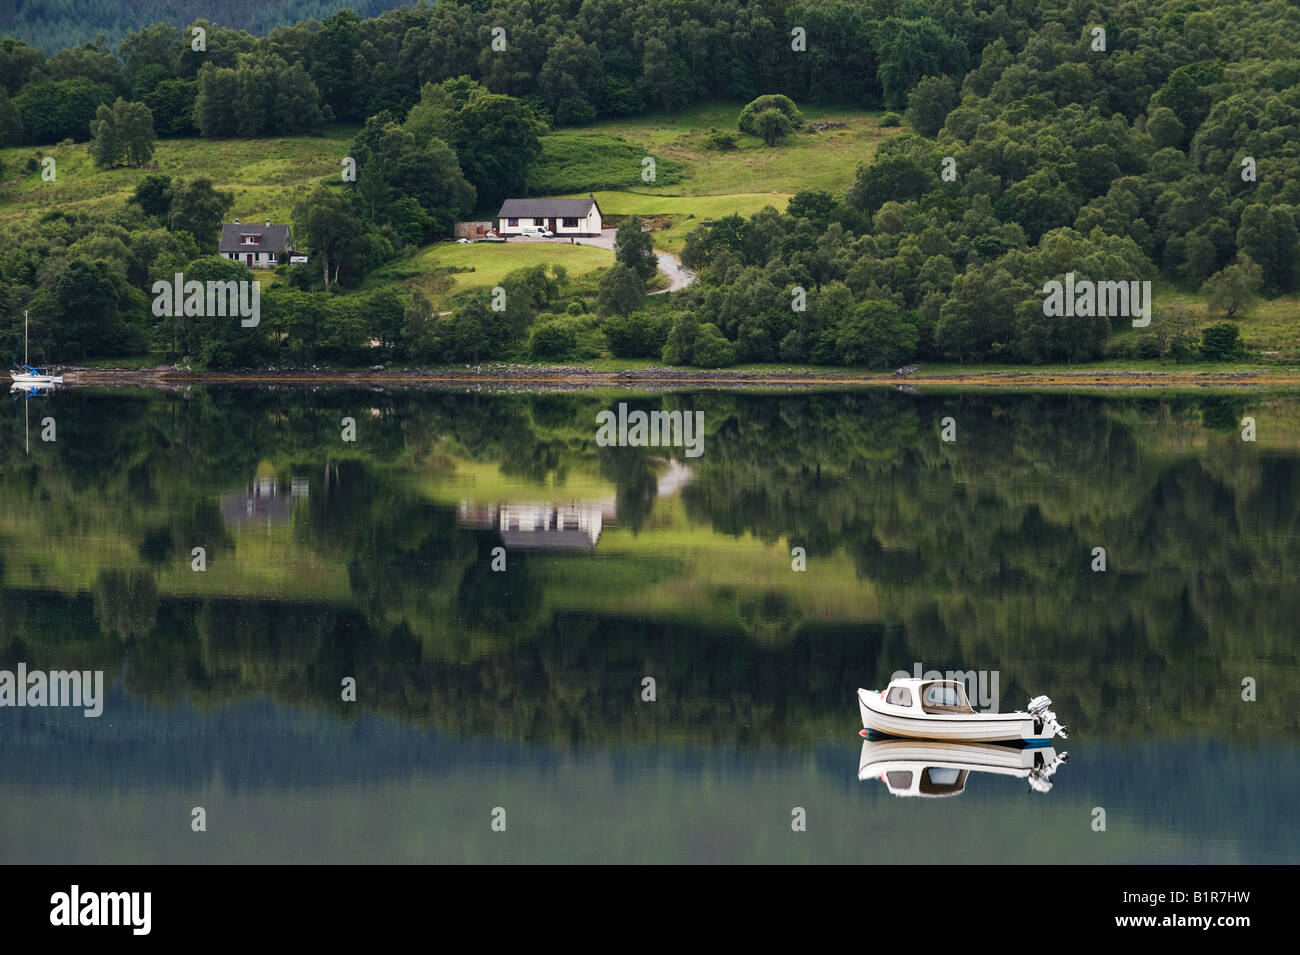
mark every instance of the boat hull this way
{"type": "Point", "coordinates": [1016, 728]}
{"type": "Point", "coordinates": [21, 379]}
{"type": "Point", "coordinates": [883, 755]}
{"type": "Point", "coordinates": [930, 768]}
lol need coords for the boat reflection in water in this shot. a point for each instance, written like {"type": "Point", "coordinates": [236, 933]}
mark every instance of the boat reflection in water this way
{"type": "Point", "coordinates": [924, 768]}
{"type": "Point", "coordinates": [27, 390]}
{"type": "Point", "coordinates": [34, 389]}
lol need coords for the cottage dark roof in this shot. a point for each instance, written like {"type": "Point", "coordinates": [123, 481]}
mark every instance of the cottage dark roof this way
{"type": "Point", "coordinates": [274, 238]}
{"type": "Point", "coordinates": [546, 208]}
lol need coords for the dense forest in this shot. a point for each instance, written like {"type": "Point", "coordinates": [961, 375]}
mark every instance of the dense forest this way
{"type": "Point", "coordinates": [59, 24]}
{"type": "Point", "coordinates": [1151, 142]}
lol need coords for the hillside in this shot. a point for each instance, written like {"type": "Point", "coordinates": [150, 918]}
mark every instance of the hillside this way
{"type": "Point", "coordinates": [908, 186]}
{"type": "Point", "coordinates": [58, 24]}
{"type": "Point", "coordinates": [266, 175]}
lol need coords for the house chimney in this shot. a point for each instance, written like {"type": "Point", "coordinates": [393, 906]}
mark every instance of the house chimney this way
{"type": "Point", "coordinates": [236, 222]}
{"type": "Point", "coordinates": [268, 223]}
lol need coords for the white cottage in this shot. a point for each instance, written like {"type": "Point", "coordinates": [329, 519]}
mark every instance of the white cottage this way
{"type": "Point", "coordinates": [564, 217]}
{"type": "Point", "coordinates": [257, 246]}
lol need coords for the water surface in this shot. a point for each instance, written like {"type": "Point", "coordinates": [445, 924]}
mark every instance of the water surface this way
{"type": "Point", "coordinates": [373, 560]}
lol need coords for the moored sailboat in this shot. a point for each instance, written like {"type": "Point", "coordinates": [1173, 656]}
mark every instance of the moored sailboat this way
{"type": "Point", "coordinates": [28, 375]}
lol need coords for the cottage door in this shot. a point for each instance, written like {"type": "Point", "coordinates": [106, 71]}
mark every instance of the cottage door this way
{"type": "Point", "coordinates": [250, 260]}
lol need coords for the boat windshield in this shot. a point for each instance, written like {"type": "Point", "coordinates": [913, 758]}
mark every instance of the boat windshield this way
{"type": "Point", "coordinates": [936, 781]}
{"type": "Point", "coordinates": [944, 698]}
{"type": "Point", "coordinates": [899, 779]}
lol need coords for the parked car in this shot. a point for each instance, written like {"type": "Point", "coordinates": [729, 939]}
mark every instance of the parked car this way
{"type": "Point", "coordinates": [539, 232]}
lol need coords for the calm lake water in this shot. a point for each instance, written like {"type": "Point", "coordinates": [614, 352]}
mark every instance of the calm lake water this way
{"type": "Point", "coordinates": [522, 690]}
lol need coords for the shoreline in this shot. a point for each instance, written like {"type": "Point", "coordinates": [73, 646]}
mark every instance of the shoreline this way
{"type": "Point", "coordinates": [580, 376]}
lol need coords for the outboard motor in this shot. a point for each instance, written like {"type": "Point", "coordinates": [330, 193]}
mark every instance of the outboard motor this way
{"type": "Point", "coordinates": [1040, 777]}
{"type": "Point", "coordinates": [1040, 708]}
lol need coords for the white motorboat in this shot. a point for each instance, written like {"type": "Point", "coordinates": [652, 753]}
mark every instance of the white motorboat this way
{"type": "Point", "coordinates": [929, 768]}
{"type": "Point", "coordinates": [939, 710]}
{"type": "Point", "coordinates": [28, 375]}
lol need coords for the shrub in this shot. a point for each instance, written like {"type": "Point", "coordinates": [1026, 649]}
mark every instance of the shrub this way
{"type": "Point", "coordinates": [1234, 288]}
{"type": "Point", "coordinates": [553, 339]}
{"type": "Point", "coordinates": [637, 335]}
{"type": "Point", "coordinates": [716, 139]}
{"type": "Point", "coordinates": [682, 332]}
{"type": "Point", "coordinates": [776, 101]}
{"type": "Point", "coordinates": [1133, 346]}
{"type": "Point", "coordinates": [877, 333]}
{"type": "Point", "coordinates": [574, 111]}
{"type": "Point", "coordinates": [622, 291]}
{"type": "Point", "coordinates": [771, 126]}
{"type": "Point", "coordinates": [930, 103]}
{"type": "Point", "coordinates": [891, 119]}
{"type": "Point", "coordinates": [712, 350]}
{"type": "Point", "coordinates": [1221, 342]}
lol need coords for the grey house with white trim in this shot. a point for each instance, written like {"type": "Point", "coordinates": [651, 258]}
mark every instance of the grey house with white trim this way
{"type": "Point", "coordinates": [257, 246]}
{"type": "Point", "coordinates": [564, 217]}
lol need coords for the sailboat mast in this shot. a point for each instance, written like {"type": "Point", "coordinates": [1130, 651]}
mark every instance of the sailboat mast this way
{"type": "Point", "coordinates": [26, 363]}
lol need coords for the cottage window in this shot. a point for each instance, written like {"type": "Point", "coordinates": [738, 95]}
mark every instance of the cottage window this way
{"type": "Point", "coordinates": [513, 222]}
{"type": "Point", "coordinates": [570, 222]}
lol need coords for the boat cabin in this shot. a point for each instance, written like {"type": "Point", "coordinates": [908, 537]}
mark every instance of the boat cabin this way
{"type": "Point", "coordinates": [933, 697]}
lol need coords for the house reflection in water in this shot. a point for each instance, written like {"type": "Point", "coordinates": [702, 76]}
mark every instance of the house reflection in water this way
{"type": "Point", "coordinates": [263, 503]}
{"type": "Point", "coordinates": [575, 525]}
{"type": "Point", "coordinates": [540, 526]}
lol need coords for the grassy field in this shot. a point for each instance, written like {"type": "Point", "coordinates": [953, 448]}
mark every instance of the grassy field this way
{"type": "Point", "coordinates": [1269, 328]}
{"type": "Point", "coordinates": [267, 176]}
{"type": "Point", "coordinates": [685, 212]}
{"type": "Point", "coordinates": [580, 159]}
{"type": "Point", "coordinates": [490, 261]}
{"type": "Point", "coordinates": [1272, 327]}
{"type": "Point", "coordinates": [703, 183]}
{"type": "Point", "coordinates": [805, 160]}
